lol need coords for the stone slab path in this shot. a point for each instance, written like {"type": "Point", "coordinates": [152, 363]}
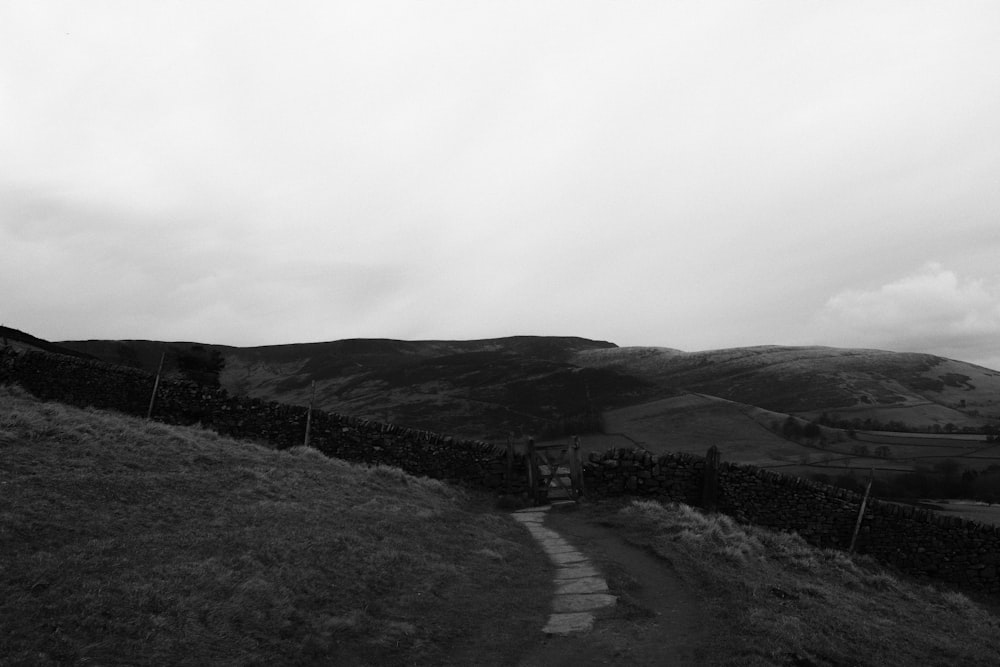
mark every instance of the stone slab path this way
{"type": "Point", "coordinates": [580, 588]}
{"type": "Point", "coordinates": [659, 617]}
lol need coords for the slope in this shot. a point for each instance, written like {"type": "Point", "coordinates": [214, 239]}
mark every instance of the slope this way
{"type": "Point", "coordinates": [917, 389]}
{"type": "Point", "coordinates": [131, 542]}
{"type": "Point", "coordinates": [483, 389]}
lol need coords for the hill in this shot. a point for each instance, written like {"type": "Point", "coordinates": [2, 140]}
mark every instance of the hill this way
{"type": "Point", "coordinates": [483, 389]}
{"type": "Point", "coordinates": [20, 340]}
{"type": "Point", "coordinates": [660, 398]}
{"type": "Point", "coordinates": [132, 542]}
{"type": "Point", "coordinates": [692, 423]}
{"type": "Point", "coordinates": [917, 389]}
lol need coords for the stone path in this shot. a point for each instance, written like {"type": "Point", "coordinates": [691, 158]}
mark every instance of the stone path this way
{"type": "Point", "coordinates": [580, 588]}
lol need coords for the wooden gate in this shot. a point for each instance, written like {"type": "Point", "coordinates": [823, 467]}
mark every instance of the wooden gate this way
{"type": "Point", "coordinates": [554, 471]}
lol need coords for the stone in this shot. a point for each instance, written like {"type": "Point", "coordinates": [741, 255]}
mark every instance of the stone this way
{"type": "Point", "coordinates": [557, 546]}
{"type": "Point", "coordinates": [564, 624]}
{"type": "Point", "coordinates": [567, 557]}
{"type": "Point", "coordinates": [582, 585]}
{"type": "Point", "coordinates": [575, 571]}
{"type": "Point", "coordinates": [586, 602]}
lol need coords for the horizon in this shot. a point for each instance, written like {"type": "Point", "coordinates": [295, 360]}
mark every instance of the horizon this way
{"type": "Point", "coordinates": [700, 177]}
{"type": "Point", "coordinates": [469, 340]}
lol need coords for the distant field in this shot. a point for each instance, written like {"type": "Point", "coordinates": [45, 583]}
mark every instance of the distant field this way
{"type": "Point", "coordinates": [927, 448]}
{"type": "Point", "coordinates": [692, 423]}
{"type": "Point", "coordinates": [981, 512]}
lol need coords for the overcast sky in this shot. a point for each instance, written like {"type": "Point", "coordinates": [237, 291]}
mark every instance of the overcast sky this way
{"type": "Point", "coordinates": [693, 174]}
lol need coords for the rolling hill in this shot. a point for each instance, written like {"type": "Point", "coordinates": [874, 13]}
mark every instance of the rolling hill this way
{"type": "Point", "coordinates": [807, 381]}
{"type": "Point", "coordinates": [482, 389]}
{"type": "Point", "coordinates": [660, 398]}
{"type": "Point", "coordinates": [137, 542]}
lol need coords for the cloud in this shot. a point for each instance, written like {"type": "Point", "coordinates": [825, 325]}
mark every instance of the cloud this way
{"type": "Point", "coordinates": [933, 310]}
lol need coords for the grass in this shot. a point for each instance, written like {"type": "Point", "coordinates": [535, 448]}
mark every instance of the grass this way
{"type": "Point", "coordinates": [124, 541]}
{"type": "Point", "coordinates": [784, 602]}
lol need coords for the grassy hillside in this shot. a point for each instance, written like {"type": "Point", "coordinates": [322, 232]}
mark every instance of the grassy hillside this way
{"type": "Point", "coordinates": [20, 340]}
{"type": "Point", "coordinates": [692, 423]}
{"type": "Point", "coordinates": [487, 388]}
{"type": "Point", "coordinates": [785, 603]}
{"type": "Point", "coordinates": [918, 389]}
{"type": "Point", "coordinates": [660, 398]}
{"type": "Point", "coordinates": [130, 542]}
{"type": "Point", "coordinates": [481, 389]}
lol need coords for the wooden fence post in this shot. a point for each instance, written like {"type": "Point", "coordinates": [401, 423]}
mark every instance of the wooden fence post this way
{"type": "Point", "coordinates": [861, 512]}
{"type": "Point", "coordinates": [510, 463]}
{"type": "Point", "coordinates": [575, 471]}
{"type": "Point", "coordinates": [309, 414]}
{"type": "Point", "coordinates": [156, 385]}
{"type": "Point", "coordinates": [532, 472]}
{"type": "Point", "coordinates": [710, 490]}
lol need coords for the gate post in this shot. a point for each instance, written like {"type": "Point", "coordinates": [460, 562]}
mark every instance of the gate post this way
{"type": "Point", "coordinates": [710, 490]}
{"type": "Point", "coordinates": [529, 460]}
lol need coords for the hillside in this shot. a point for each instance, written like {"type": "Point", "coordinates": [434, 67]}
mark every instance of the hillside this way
{"type": "Point", "coordinates": [20, 340]}
{"type": "Point", "coordinates": [782, 602]}
{"type": "Point", "coordinates": [482, 389]}
{"type": "Point", "coordinates": [694, 422]}
{"type": "Point", "coordinates": [132, 542]}
{"type": "Point", "coordinates": [917, 389]}
{"type": "Point", "coordinates": [662, 398]}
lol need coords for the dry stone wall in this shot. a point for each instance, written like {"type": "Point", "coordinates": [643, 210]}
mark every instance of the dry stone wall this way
{"type": "Point", "coordinates": [668, 477]}
{"type": "Point", "coordinates": [91, 383]}
{"type": "Point", "coordinates": [913, 540]}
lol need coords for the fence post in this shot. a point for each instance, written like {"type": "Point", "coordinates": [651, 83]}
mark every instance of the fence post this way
{"type": "Point", "coordinates": [710, 490]}
{"type": "Point", "coordinates": [576, 474]}
{"type": "Point", "coordinates": [861, 512]}
{"type": "Point", "coordinates": [510, 462]}
{"type": "Point", "coordinates": [156, 385]}
{"type": "Point", "coordinates": [309, 414]}
{"type": "Point", "coordinates": [532, 472]}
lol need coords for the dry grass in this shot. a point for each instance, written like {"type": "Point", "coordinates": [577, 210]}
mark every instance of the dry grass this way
{"type": "Point", "coordinates": [131, 542]}
{"type": "Point", "coordinates": [785, 602]}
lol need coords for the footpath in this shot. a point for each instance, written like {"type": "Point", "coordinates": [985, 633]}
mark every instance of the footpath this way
{"type": "Point", "coordinates": [580, 588]}
{"type": "Point", "coordinates": [614, 603]}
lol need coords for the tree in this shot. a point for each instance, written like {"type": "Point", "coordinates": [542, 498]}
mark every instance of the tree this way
{"type": "Point", "coordinates": [791, 428]}
{"type": "Point", "coordinates": [199, 365]}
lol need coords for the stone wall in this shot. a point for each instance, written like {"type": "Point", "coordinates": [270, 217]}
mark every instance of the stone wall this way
{"type": "Point", "coordinates": [915, 541]}
{"type": "Point", "coordinates": [92, 383]}
{"type": "Point", "coordinates": [667, 477]}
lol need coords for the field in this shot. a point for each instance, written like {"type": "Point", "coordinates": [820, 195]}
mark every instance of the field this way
{"type": "Point", "coordinates": [692, 423]}
{"type": "Point", "coordinates": [746, 434]}
{"type": "Point", "coordinates": [965, 509]}
{"type": "Point", "coordinates": [124, 541]}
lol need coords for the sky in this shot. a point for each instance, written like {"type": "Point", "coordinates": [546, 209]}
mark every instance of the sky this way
{"type": "Point", "coordinates": [687, 174]}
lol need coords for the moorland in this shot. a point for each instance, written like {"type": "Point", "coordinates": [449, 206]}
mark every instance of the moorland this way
{"type": "Point", "coordinates": [128, 541]}
{"type": "Point", "coordinates": [923, 426]}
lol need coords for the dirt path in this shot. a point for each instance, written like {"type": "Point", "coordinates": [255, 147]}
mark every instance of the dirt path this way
{"type": "Point", "coordinates": [659, 619]}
